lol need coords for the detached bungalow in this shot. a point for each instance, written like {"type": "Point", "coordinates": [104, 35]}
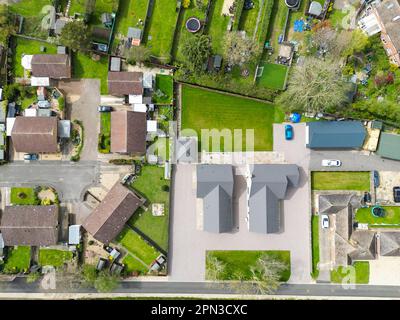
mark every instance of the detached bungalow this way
{"type": "Point", "coordinates": [30, 225]}
{"type": "Point", "coordinates": [108, 219]}
{"type": "Point", "coordinates": [214, 190]}
{"type": "Point", "coordinates": [128, 132]}
{"type": "Point", "coordinates": [53, 66]}
{"type": "Point", "coordinates": [125, 83]}
{"type": "Point", "coordinates": [335, 135]}
{"type": "Point", "coordinates": [35, 134]}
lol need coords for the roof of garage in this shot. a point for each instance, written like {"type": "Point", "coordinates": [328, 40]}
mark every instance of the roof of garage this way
{"type": "Point", "coordinates": [335, 135]}
{"type": "Point", "coordinates": [389, 146]}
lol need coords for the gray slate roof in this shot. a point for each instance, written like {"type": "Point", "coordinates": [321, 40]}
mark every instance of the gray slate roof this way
{"type": "Point", "coordinates": [389, 244]}
{"type": "Point", "coordinates": [269, 185]}
{"type": "Point", "coordinates": [215, 187]}
{"type": "Point", "coordinates": [335, 135]}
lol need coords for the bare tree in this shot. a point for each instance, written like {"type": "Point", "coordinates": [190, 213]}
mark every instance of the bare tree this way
{"type": "Point", "coordinates": [266, 274]}
{"type": "Point", "coordinates": [315, 86]}
{"type": "Point", "coordinates": [239, 49]}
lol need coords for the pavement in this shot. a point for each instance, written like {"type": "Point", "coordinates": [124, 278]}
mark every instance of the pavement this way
{"type": "Point", "coordinates": [69, 179]}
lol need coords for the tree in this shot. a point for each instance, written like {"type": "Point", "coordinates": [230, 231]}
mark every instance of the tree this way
{"type": "Point", "coordinates": [138, 54]}
{"type": "Point", "coordinates": [266, 274]}
{"type": "Point", "coordinates": [106, 282]}
{"type": "Point", "coordinates": [214, 268]}
{"type": "Point", "coordinates": [323, 37]}
{"type": "Point", "coordinates": [90, 5]}
{"type": "Point", "coordinates": [315, 86]}
{"type": "Point", "coordinates": [75, 35]}
{"type": "Point", "coordinates": [351, 42]}
{"type": "Point", "coordinates": [5, 24]}
{"type": "Point", "coordinates": [196, 51]}
{"type": "Point", "coordinates": [238, 49]}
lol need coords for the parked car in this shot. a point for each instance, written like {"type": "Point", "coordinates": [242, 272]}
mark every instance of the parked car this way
{"type": "Point", "coordinates": [331, 163]}
{"type": "Point", "coordinates": [396, 194]}
{"type": "Point", "coordinates": [367, 197]}
{"type": "Point", "coordinates": [31, 156]}
{"type": "Point", "coordinates": [128, 178]}
{"type": "Point", "coordinates": [158, 264]}
{"type": "Point", "coordinates": [376, 179]}
{"type": "Point", "coordinates": [324, 221]}
{"type": "Point", "coordinates": [104, 109]}
{"type": "Point", "coordinates": [288, 132]}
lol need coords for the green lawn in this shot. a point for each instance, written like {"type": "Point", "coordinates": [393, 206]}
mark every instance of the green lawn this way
{"type": "Point", "coordinates": [52, 257]}
{"type": "Point", "coordinates": [182, 33]}
{"type": "Point", "coordinates": [84, 67]}
{"type": "Point", "coordinates": [336, 18]}
{"type": "Point", "coordinates": [129, 13]}
{"type": "Point", "coordinates": [240, 261]}
{"type": "Point", "coordinates": [165, 84]}
{"type": "Point", "coordinates": [277, 25]}
{"type": "Point", "coordinates": [217, 27]}
{"type": "Point", "coordinates": [105, 132]}
{"type": "Point", "coordinates": [24, 47]}
{"type": "Point", "coordinates": [340, 274]}
{"type": "Point", "coordinates": [274, 76]}
{"type": "Point", "coordinates": [340, 180]}
{"type": "Point", "coordinates": [136, 246]}
{"type": "Point", "coordinates": [29, 8]}
{"type": "Point", "coordinates": [203, 109]}
{"type": "Point", "coordinates": [315, 245]}
{"type": "Point", "coordinates": [161, 28]}
{"type": "Point", "coordinates": [150, 184]}
{"type": "Point", "coordinates": [77, 6]}
{"type": "Point", "coordinates": [23, 196]}
{"type": "Point", "coordinates": [134, 265]}
{"type": "Point", "coordinates": [18, 260]}
{"type": "Point", "coordinates": [103, 6]}
{"type": "Point", "coordinates": [391, 219]}
{"type": "Point", "coordinates": [248, 19]}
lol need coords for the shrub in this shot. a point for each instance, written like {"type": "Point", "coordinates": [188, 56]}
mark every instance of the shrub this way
{"type": "Point", "coordinates": [22, 195]}
{"type": "Point", "coordinates": [122, 161]}
{"type": "Point", "coordinates": [186, 4]}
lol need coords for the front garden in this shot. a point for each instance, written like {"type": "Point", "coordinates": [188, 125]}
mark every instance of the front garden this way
{"type": "Point", "coordinates": [343, 275]}
{"type": "Point", "coordinates": [205, 109]}
{"type": "Point", "coordinates": [53, 257]}
{"type": "Point", "coordinates": [315, 245]}
{"type": "Point", "coordinates": [24, 196]}
{"type": "Point", "coordinates": [18, 260]}
{"type": "Point", "coordinates": [105, 132]}
{"type": "Point", "coordinates": [346, 180]}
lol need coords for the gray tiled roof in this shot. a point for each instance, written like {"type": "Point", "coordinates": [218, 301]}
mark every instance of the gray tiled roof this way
{"type": "Point", "coordinates": [335, 135]}
{"type": "Point", "coordinates": [215, 187]}
{"type": "Point", "coordinates": [389, 244]}
{"type": "Point", "coordinates": [269, 185]}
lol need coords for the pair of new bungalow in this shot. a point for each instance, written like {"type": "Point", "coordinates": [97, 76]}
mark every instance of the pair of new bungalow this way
{"type": "Point", "coordinates": [268, 186]}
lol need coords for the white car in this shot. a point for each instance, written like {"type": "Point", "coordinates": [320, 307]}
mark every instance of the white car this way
{"type": "Point", "coordinates": [331, 163]}
{"type": "Point", "coordinates": [324, 221]}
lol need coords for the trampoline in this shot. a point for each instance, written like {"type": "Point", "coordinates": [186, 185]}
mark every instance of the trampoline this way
{"type": "Point", "coordinates": [193, 25]}
{"type": "Point", "coordinates": [378, 212]}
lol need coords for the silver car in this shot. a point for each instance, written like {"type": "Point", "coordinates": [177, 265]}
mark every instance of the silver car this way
{"type": "Point", "coordinates": [324, 221]}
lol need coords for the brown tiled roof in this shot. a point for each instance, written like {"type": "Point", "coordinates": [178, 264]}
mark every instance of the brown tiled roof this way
{"type": "Point", "coordinates": [30, 225]}
{"type": "Point", "coordinates": [125, 83]}
{"type": "Point", "coordinates": [109, 217]}
{"type": "Point", "coordinates": [128, 132]}
{"type": "Point", "coordinates": [35, 134]}
{"type": "Point", "coordinates": [55, 66]}
{"type": "Point", "coordinates": [389, 13]}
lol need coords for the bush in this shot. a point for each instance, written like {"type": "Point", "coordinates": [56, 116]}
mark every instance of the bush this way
{"type": "Point", "coordinates": [22, 195]}
{"type": "Point", "coordinates": [186, 4]}
{"type": "Point", "coordinates": [165, 188]}
{"type": "Point", "coordinates": [122, 161]}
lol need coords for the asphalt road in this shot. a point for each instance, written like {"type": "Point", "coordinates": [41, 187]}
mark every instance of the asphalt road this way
{"type": "Point", "coordinates": [153, 287]}
{"type": "Point", "coordinates": [352, 161]}
{"type": "Point", "coordinates": [69, 179]}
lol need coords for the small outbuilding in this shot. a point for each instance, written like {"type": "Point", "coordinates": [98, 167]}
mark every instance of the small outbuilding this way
{"type": "Point", "coordinates": [389, 146]}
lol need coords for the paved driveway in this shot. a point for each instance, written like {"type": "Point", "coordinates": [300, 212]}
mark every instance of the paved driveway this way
{"type": "Point", "coordinates": [83, 98]}
{"type": "Point", "coordinates": [69, 179]}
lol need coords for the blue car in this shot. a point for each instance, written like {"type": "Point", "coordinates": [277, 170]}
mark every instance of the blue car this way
{"type": "Point", "coordinates": [288, 132]}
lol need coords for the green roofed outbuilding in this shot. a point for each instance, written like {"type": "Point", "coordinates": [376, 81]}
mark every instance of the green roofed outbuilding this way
{"type": "Point", "coordinates": [389, 146]}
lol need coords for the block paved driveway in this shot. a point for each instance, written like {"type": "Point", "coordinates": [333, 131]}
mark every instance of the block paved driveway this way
{"type": "Point", "coordinates": [188, 245]}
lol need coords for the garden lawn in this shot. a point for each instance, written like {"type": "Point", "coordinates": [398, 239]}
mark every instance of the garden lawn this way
{"type": "Point", "coordinates": [217, 26]}
{"type": "Point", "coordinates": [315, 245]}
{"type": "Point", "coordinates": [150, 184]}
{"type": "Point", "coordinates": [134, 265]}
{"type": "Point", "coordinates": [129, 13]}
{"type": "Point", "coordinates": [248, 19]}
{"type": "Point", "coordinates": [30, 199]}
{"type": "Point", "coordinates": [204, 109]}
{"type": "Point", "coordinates": [77, 6]}
{"type": "Point", "coordinates": [103, 6]}
{"type": "Point", "coordinates": [391, 219]}
{"type": "Point", "coordinates": [26, 46]}
{"type": "Point", "coordinates": [239, 261]}
{"type": "Point", "coordinates": [161, 28]}
{"type": "Point", "coordinates": [52, 257]}
{"type": "Point", "coordinates": [336, 18]}
{"type": "Point", "coordinates": [277, 25]}
{"type": "Point", "coordinates": [182, 33]}
{"type": "Point", "coordinates": [274, 76]}
{"type": "Point", "coordinates": [29, 8]}
{"type": "Point", "coordinates": [105, 132]}
{"type": "Point", "coordinates": [340, 274]}
{"type": "Point", "coordinates": [84, 67]}
{"type": "Point", "coordinates": [340, 180]}
{"type": "Point", "coordinates": [137, 247]}
{"type": "Point", "coordinates": [165, 84]}
{"type": "Point", "coordinates": [18, 260]}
